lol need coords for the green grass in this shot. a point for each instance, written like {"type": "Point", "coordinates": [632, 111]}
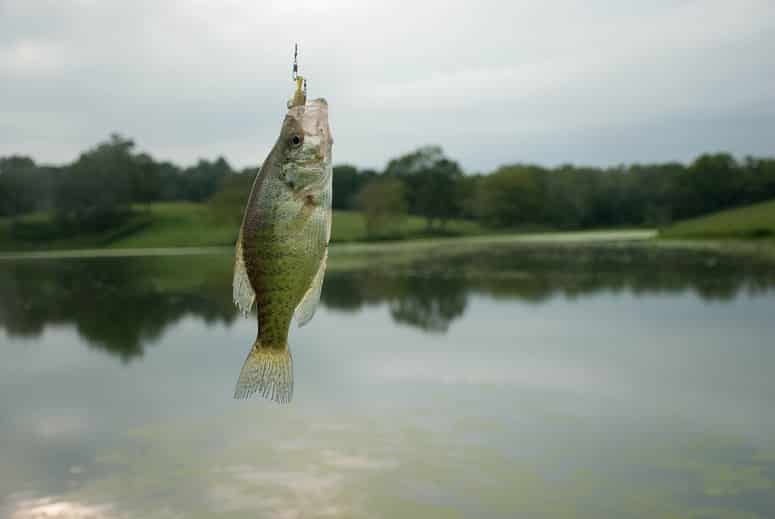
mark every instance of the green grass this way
{"type": "Point", "coordinates": [349, 226]}
{"type": "Point", "coordinates": [179, 224]}
{"type": "Point", "coordinates": [184, 224]}
{"type": "Point", "coordinates": [754, 221]}
{"type": "Point", "coordinates": [37, 232]}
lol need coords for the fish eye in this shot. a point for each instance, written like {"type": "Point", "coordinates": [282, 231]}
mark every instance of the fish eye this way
{"type": "Point", "coordinates": [295, 141]}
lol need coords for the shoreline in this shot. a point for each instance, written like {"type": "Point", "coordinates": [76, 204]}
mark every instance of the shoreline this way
{"type": "Point", "coordinates": [347, 248]}
{"type": "Point", "coordinates": [406, 249]}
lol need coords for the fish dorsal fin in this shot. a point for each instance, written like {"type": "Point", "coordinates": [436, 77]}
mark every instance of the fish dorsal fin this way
{"type": "Point", "coordinates": [242, 291]}
{"type": "Point", "coordinates": [309, 303]}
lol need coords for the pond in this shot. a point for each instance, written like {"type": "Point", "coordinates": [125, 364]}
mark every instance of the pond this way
{"type": "Point", "coordinates": [512, 381]}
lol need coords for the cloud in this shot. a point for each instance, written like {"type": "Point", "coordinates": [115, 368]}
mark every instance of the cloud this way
{"type": "Point", "coordinates": [493, 82]}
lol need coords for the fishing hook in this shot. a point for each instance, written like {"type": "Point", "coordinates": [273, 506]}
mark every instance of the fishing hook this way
{"type": "Point", "coordinates": [301, 82]}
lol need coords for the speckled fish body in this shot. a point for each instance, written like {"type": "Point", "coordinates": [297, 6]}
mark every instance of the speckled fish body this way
{"type": "Point", "coordinates": [282, 247]}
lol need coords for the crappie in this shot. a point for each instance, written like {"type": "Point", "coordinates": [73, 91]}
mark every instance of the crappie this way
{"type": "Point", "coordinates": [283, 245]}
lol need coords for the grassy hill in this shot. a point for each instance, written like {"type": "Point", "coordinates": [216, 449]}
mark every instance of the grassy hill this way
{"type": "Point", "coordinates": [183, 224]}
{"type": "Point", "coordinates": [753, 221]}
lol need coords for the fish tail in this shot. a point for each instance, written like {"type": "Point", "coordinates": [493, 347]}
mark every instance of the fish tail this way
{"type": "Point", "coordinates": [267, 371]}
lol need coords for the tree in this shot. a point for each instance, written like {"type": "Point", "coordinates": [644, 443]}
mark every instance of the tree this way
{"type": "Point", "coordinates": [170, 181]}
{"type": "Point", "coordinates": [715, 181]}
{"type": "Point", "coordinates": [431, 180]}
{"type": "Point", "coordinates": [95, 192]}
{"type": "Point", "coordinates": [511, 196]}
{"type": "Point", "coordinates": [203, 180]}
{"type": "Point", "coordinates": [346, 184]}
{"type": "Point", "coordinates": [759, 179]}
{"type": "Point", "coordinates": [383, 204]}
{"type": "Point", "coordinates": [467, 186]}
{"type": "Point", "coordinates": [228, 204]}
{"type": "Point", "coordinates": [17, 186]}
{"type": "Point", "coordinates": [146, 180]}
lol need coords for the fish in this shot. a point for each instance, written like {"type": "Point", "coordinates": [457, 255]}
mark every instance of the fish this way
{"type": "Point", "coordinates": [282, 246]}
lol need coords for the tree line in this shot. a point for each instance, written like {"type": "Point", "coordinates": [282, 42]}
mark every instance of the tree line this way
{"type": "Point", "coordinates": [429, 184]}
{"type": "Point", "coordinates": [104, 185]}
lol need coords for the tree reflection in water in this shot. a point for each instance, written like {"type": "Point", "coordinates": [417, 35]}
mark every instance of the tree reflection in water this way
{"type": "Point", "coordinates": [118, 305]}
{"type": "Point", "coordinates": [121, 305]}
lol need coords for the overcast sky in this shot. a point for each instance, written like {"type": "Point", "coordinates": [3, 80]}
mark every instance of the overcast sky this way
{"type": "Point", "coordinates": [593, 82]}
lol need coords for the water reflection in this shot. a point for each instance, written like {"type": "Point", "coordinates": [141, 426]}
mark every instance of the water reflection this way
{"type": "Point", "coordinates": [427, 300]}
{"type": "Point", "coordinates": [118, 305]}
{"type": "Point", "coordinates": [542, 370]}
{"type": "Point", "coordinates": [54, 508]}
{"type": "Point", "coordinates": [122, 305]}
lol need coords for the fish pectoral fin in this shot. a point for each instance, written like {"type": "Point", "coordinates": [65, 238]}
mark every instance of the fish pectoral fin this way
{"type": "Point", "coordinates": [242, 291]}
{"type": "Point", "coordinates": [309, 303]}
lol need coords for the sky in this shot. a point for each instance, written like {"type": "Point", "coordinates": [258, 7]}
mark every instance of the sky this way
{"type": "Point", "coordinates": [595, 82]}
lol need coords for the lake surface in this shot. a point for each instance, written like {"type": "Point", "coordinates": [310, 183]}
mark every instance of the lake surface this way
{"type": "Point", "coordinates": [509, 382]}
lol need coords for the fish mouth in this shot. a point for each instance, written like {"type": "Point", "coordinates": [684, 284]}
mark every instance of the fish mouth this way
{"type": "Point", "coordinates": [313, 117]}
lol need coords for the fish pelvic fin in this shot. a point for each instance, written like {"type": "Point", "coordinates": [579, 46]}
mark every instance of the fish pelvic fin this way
{"type": "Point", "coordinates": [267, 371]}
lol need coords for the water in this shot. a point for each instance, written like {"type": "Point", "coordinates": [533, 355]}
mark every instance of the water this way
{"type": "Point", "coordinates": [513, 382]}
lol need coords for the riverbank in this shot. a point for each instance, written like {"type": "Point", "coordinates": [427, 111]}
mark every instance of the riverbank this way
{"type": "Point", "coordinates": [395, 249]}
{"type": "Point", "coordinates": [398, 251]}
{"type": "Point", "coordinates": [349, 254]}
{"type": "Point", "coordinates": [756, 221]}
